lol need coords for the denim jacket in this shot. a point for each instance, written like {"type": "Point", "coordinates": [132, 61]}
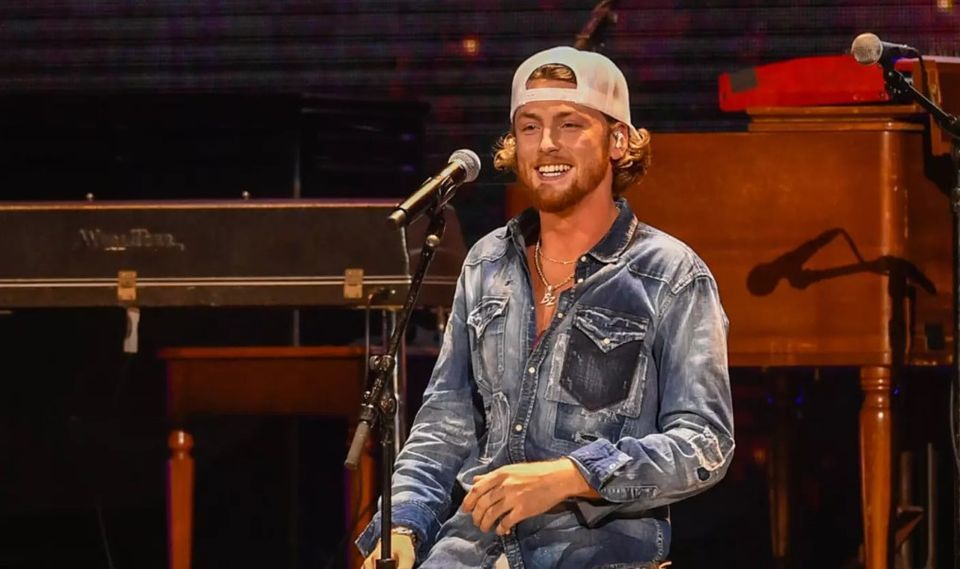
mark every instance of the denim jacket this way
{"type": "Point", "coordinates": [629, 380]}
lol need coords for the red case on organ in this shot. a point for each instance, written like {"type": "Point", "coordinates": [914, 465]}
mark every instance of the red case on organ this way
{"type": "Point", "coordinates": [805, 81]}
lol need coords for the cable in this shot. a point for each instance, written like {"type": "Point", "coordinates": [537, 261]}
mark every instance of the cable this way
{"type": "Point", "coordinates": [125, 366]}
{"type": "Point", "coordinates": [103, 533]}
{"type": "Point", "coordinates": [124, 374]}
{"type": "Point", "coordinates": [122, 380]}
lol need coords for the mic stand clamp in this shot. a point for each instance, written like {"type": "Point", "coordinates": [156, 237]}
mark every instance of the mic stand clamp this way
{"type": "Point", "coordinates": [899, 87]}
{"type": "Point", "coordinates": [380, 402]}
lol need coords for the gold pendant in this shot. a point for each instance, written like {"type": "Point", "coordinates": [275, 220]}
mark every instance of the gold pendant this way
{"type": "Point", "coordinates": [549, 298]}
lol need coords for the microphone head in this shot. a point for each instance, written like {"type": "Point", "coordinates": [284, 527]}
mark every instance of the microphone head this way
{"type": "Point", "coordinates": [470, 162]}
{"type": "Point", "coordinates": [867, 49]}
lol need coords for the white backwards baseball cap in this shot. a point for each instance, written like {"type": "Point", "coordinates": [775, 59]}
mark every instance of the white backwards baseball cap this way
{"type": "Point", "coordinates": [600, 83]}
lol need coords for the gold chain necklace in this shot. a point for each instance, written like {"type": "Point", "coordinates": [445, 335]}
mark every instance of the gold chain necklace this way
{"type": "Point", "coordinates": [551, 259]}
{"type": "Point", "coordinates": [549, 298]}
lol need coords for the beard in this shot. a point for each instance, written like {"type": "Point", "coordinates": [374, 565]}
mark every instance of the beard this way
{"type": "Point", "coordinates": [554, 198]}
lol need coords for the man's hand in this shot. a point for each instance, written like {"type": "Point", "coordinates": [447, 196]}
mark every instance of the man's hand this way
{"type": "Point", "coordinates": [516, 492]}
{"type": "Point", "coordinates": [403, 552]}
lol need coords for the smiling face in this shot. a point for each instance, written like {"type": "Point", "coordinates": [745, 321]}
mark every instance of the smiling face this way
{"type": "Point", "coordinates": [563, 151]}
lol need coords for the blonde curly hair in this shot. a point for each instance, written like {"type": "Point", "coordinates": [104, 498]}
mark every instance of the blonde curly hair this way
{"type": "Point", "coordinates": [627, 171]}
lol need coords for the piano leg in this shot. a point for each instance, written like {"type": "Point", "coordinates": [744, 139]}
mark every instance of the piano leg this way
{"type": "Point", "coordinates": [180, 499]}
{"type": "Point", "coordinates": [780, 467]}
{"type": "Point", "coordinates": [875, 464]}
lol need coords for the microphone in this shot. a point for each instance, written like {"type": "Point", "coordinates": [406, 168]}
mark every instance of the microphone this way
{"type": "Point", "coordinates": [463, 166]}
{"type": "Point", "coordinates": [868, 49]}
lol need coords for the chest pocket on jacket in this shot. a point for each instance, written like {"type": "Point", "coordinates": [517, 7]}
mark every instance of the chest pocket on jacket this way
{"type": "Point", "coordinates": [604, 364]}
{"type": "Point", "coordinates": [487, 323]}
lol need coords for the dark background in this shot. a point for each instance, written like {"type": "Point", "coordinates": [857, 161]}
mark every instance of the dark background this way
{"type": "Point", "coordinates": [163, 100]}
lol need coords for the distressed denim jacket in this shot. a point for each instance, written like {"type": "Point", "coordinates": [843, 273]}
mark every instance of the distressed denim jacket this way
{"type": "Point", "coordinates": [629, 380]}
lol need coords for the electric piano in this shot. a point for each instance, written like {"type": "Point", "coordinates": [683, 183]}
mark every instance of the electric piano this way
{"type": "Point", "coordinates": [294, 253]}
{"type": "Point", "coordinates": [277, 252]}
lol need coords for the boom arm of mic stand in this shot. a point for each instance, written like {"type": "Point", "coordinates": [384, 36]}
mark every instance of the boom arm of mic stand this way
{"type": "Point", "coordinates": [380, 401]}
{"type": "Point", "coordinates": [898, 86]}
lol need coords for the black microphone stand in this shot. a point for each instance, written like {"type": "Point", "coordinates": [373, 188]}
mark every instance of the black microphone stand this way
{"type": "Point", "coordinates": [380, 402]}
{"type": "Point", "coordinates": [899, 87]}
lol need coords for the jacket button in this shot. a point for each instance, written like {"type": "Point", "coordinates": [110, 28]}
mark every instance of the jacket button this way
{"type": "Point", "coordinates": [702, 474]}
{"type": "Point", "coordinates": [518, 427]}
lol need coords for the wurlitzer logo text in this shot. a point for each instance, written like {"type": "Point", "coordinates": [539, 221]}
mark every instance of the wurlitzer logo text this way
{"type": "Point", "coordinates": [136, 238]}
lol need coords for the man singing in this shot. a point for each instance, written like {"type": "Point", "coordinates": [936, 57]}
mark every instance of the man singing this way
{"type": "Point", "coordinates": [582, 385]}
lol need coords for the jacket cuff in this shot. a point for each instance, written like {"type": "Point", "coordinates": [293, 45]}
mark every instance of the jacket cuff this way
{"type": "Point", "coordinates": [599, 461]}
{"type": "Point", "coordinates": [413, 515]}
